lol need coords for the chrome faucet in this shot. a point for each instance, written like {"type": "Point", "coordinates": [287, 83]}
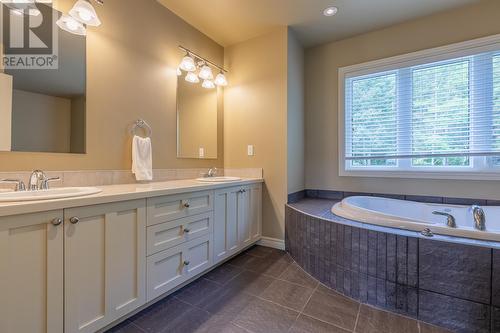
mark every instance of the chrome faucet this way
{"type": "Point", "coordinates": [479, 218]}
{"type": "Point", "coordinates": [35, 180]}
{"type": "Point", "coordinates": [38, 181]}
{"type": "Point", "coordinates": [212, 172]}
{"type": "Point", "coordinates": [450, 221]}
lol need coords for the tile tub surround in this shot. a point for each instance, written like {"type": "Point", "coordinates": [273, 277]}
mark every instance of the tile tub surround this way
{"type": "Point", "coordinates": [263, 290]}
{"type": "Point", "coordinates": [451, 285]}
{"type": "Point", "coordinates": [339, 195]}
{"type": "Point", "coordinates": [116, 177]}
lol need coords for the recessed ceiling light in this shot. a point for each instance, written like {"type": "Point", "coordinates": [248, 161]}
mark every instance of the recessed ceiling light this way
{"type": "Point", "coordinates": [330, 11]}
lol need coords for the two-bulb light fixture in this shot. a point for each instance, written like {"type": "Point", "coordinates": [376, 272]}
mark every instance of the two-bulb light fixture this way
{"type": "Point", "coordinates": [79, 17]}
{"type": "Point", "coordinates": [199, 69]}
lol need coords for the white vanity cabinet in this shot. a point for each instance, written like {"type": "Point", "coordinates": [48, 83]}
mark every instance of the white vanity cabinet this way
{"type": "Point", "coordinates": [31, 273]}
{"type": "Point", "coordinates": [80, 269]}
{"type": "Point", "coordinates": [237, 219]}
{"type": "Point", "coordinates": [104, 263]}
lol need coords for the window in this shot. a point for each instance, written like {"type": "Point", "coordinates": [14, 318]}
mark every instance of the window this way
{"type": "Point", "coordinates": [434, 113]}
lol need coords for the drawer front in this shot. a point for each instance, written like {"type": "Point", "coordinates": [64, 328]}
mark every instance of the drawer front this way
{"type": "Point", "coordinates": [172, 207]}
{"type": "Point", "coordinates": [166, 235]}
{"type": "Point", "coordinates": [169, 268]}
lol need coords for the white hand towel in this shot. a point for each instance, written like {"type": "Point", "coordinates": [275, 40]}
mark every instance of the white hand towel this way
{"type": "Point", "coordinates": [142, 158]}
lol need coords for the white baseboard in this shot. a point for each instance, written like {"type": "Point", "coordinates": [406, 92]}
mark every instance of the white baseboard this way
{"type": "Point", "coordinates": [272, 242]}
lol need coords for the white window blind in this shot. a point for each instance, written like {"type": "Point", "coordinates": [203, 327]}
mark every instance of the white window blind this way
{"type": "Point", "coordinates": [429, 114]}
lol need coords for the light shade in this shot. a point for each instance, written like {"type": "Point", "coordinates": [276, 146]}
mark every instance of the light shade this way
{"type": "Point", "coordinates": [206, 73]}
{"type": "Point", "coordinates": [221, 80]}
{"type": "Point", "coordinates": [69, 24]}
{"type": "Point", "coordinates": [84, 12]}
{"type": "Point", "coordinates": [192, 77]}
{"type": "Point", "coordinates": [208, 84]}
{"type": "Point", "coordinates": [187, 64]}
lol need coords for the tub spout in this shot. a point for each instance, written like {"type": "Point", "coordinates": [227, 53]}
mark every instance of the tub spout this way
{"type": "Point", "coordinates": [450, 219]}
{"type": "Point", "coordinates": [479, 218]}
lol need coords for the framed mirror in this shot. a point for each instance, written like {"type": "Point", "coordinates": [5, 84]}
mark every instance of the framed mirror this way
{"type": "Point", "coordinates": [44, 110]}
{"type": "Point", "coordinates": [197, 109]}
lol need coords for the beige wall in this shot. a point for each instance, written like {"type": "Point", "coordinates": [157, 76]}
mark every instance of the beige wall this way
{"type": "Point", "coordinates": [131, 62]}
{"type": "Point", "coordinates": [321, 68]}
{"type": "Point", "coordinates": [295, 115]}
{"type": "Point", "coordinates": [40, 122]}
{"type": "Point", "coordinates": [255, 113]}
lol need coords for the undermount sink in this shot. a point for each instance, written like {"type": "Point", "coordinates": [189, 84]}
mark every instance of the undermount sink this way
{"type": "Point", "coordinates": [218, 179]}
{"type": "Point", "coordinates": [55, 193]}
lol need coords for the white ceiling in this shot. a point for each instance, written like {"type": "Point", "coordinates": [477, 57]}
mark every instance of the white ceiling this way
{"type": "Point", "coordinates": [231, 21]}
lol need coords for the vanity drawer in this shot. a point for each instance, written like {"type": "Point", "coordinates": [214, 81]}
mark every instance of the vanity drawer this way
{"type": "Point", "coordinates": [169, 268]}
{"type": "Point", "coordinates": [166, 235]}
{"type": "Point", "coordinates": [172, 207]}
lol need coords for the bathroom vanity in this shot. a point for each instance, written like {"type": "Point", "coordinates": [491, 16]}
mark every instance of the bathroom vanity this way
{"type": "Point", "coordinates": [80, 264]}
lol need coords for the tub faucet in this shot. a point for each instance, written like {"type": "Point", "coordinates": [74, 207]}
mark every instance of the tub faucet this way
{"type": "Point", "coordinates": [450, 221]}
{"type": "Point", "coordinates": [479, 218]}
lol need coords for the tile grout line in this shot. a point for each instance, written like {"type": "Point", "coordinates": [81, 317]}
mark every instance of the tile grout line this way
{"type": "Point", "coordinates": [357, 318]}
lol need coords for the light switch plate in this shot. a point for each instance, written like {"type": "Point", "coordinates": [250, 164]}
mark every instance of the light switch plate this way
{"type": "Point", "coordinates": [250, 150]}
{"type": "Point", "coordinates": [202, 152]}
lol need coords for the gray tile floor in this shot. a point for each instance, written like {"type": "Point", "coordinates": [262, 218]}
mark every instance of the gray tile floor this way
{"type": "Point", "coordinates": [264, 291]}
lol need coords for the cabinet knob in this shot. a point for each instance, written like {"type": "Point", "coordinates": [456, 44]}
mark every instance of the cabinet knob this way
{"type": "Point", "coordinates": [187, 230]}
{"type": "Point", "coordinates": [57, 221]}
{"type": "Point", "coordinates": [186, 263]}
{"type": "Point", "coordinates": [74, 220]}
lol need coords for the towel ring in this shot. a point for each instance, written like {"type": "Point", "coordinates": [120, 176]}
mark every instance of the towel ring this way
{"type": "Point", "coordinates": [141, 123]}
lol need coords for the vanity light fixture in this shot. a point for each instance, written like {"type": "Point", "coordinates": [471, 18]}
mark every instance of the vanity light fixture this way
{"type": "Point", "coordinates": [221, 80]}
{"type": "Point", "coordinates": [84, 12]}
{"type": "Point", "coordinates": [330, 11]}
{"type": "Point", "coordinates": [192, 61]}
{"type": "Point", "coordinates": [207, 84]}
{"type": "Point", "coordinates": [206, 73]}
{"type": "Point", "coordinates": [192, 77]}
{"type": "Point", "coordinates": [80, 16]}
{"type": "Point", "coordinates": [71, 25]}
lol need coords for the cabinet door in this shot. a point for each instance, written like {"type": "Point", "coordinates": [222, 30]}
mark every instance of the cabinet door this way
{"type": "Point", "coordinates": [31, 273]}
{"type": "Point", "coordinates": [255, 212]}
{"type": "Point", "coordinates": [244, 227]}
{"type": "Point", "coordinates": [225, 237]}
{"type": "Point", "coordinates": [105, 253]}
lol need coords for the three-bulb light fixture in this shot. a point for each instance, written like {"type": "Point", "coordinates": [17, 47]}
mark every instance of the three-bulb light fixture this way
{"type": "Point", "coordinates": [81, 15]}
{"type": "Point", "coordinates": [193, 63]}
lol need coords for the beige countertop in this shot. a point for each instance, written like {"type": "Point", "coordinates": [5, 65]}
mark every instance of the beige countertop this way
{"type": "Point", "coordinates": [114, 193]}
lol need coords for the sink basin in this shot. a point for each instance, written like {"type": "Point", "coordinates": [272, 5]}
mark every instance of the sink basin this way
{"type": "Point", "coordinates": [55, 193]}
{"type": "Point", "coordinates": [218, 179]}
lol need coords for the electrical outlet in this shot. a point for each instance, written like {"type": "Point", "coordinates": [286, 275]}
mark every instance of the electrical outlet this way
{"type": "Point", "coordinates": [250, 150]}
{"type": "Point", "coordinates": [201, 152]}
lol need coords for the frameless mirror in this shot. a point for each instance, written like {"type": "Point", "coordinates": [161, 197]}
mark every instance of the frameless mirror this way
{"type": "Point", "coordinates": [43, 110]}
{"type": "Point", "coordinates": [196, 120]}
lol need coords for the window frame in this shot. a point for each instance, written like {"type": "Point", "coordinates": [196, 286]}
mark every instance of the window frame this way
{"type": "Point", "coordinates": [480, 169]}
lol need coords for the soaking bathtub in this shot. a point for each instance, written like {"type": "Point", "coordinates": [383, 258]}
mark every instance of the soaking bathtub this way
{"type": "Point", "coordinates": [417, 216]}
